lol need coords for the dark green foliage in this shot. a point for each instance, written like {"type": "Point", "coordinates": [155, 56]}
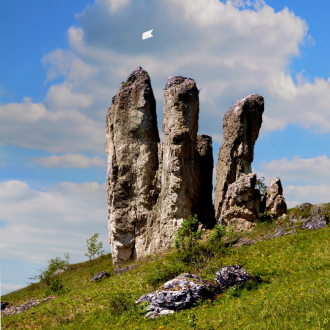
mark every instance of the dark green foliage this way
{"type": "Point", "coordinates": [216, 234]}
{"type": "Point", "coordinates": [53, 264]}
{"type": "Point", "coordinates": [56, 287]}
{"type": "Point", "coordinates": [260, 185]}
{"type": "Point", "coordinates": [188, 234]}
{"type": "Point", "coordinates": [264, 217]}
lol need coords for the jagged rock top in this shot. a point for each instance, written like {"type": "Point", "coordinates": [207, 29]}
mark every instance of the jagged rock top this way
{"type": "Point", "coordinates": [178, 80]}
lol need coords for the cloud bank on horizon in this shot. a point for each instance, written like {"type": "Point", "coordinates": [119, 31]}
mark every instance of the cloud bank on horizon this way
{"type": "Point", "coordinates": [230, 48]}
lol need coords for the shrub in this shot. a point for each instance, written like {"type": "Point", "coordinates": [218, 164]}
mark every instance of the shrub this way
{"type": "Point", "coordinates": [53, 264]}
{"type": "Point", "coordinates": [216, 234]}
{"type": "Point", "coordinates": [188, 234]}
{"type": "Point", "coordinates": [56, 287]}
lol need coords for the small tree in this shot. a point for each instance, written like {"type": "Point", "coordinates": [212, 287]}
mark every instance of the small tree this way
{"type": "Point", "coordinates": [188, 234]}
{"type": "Point", "coordinates": [93, 248]}
{"type": "Point", "coordinates": [53, 264]}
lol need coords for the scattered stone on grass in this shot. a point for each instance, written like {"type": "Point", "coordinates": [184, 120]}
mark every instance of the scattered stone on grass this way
{"type": "Point", "coordinates": [177, 294]}
{"type": "Point", "coordinates": [316, 222]}
{"type": "Point", "coordinates": [231, 275]}
{"type": "Point", "coordinates": [11, 310]}
{"type": "Point", "coordinates": [100, 276]}
{"type": "Point", "coordinates": [123, 269]}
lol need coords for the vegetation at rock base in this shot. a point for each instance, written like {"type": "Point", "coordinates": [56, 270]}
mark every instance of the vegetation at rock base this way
{"type": "Point", "coordinates": [292, 290]}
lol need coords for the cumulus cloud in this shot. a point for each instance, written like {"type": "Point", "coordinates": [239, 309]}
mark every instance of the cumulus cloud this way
{"type": "Point", "coordinates": [31, 125]}
{"type": "Point", "coordinates": [58, 219]}
{"type": "Point", "coordinates": [313, 194]}
{"type": "Point", "coordinates": [313, 170]}
{"type": "Point", "coordinates": [69, 160]}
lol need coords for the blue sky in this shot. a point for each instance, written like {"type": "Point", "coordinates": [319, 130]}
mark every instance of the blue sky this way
{"type": "Point", "coordinates": [62, 62]}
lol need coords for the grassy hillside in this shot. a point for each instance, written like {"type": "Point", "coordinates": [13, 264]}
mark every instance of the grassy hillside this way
{"type": "Point", "coordinates": [291, 288]}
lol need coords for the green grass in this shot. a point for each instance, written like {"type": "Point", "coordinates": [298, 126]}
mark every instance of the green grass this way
{"type": "Point", "coordinates": [286, 271]}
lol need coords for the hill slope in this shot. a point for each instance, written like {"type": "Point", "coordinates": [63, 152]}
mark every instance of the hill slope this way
{"type": "Point", "coordinates": [291, 289]}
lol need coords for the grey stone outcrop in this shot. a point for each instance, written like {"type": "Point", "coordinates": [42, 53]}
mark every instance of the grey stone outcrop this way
{"type": "Point", "coordinates": [315, 222]}
{"type": "Point", "coordinates": [241, 204]}
{"type": "Point", "coordinates": [153, 186]}
{"type": "Point", "coordinates": [177, 294]}
{"type": "Point", "coordinates": [241, 125]}
{"type": "Point", "coordinates": [100, 276]}
{"type": "Point", "coordinates": [231, 275]}
{"type": "Point", "coordinates": [275, 202]}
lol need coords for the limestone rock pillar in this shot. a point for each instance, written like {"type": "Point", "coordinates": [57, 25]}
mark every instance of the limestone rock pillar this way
{"type": "Point", "coordinates": [241, 125]}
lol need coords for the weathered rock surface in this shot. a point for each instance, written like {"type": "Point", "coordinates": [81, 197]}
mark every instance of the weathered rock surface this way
{"type": "Point", "coordinates": [153, 186]}
{"type": "Point", "coordinates": [131, 148]}
{"type": "Point", "coordinates": [231, 275]}
{"type": "Point", "coordinates": [177, 294]}
{"type": "Point", "coordinates": [315, 222]}
{"type": "Point", "coordinates": [304, 206]}
{"type": "Point", "coordinates": [241, 204]}
{"type": "Point", "coordinates": [322, 209]}
{"type": "Point", "coordinates": [241, 125]}
{"type": "Point", "coordinates": [100, 275]}
{"type": "Point", "coordinates": [275, 202]}
{"type": "Point", "coordinates": [178, 172]}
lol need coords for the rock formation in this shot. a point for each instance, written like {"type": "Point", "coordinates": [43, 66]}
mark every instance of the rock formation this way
{"type": "Point", "coordinates": [275, 202]}
{"type": "Point", "coordinates": [153, 186]}
{"type": "Point", "coordinates": [241, 125]}
{"type": "Point", "coordinates": [241, 204]}
{"type": "Point", "coordinates": [131, 148]}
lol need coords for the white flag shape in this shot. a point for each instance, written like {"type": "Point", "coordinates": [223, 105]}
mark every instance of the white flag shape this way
{"type": "Point", "coordinates": [147, 35]}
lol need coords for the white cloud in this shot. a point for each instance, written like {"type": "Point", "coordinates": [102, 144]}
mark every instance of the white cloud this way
{"type": "Point", "coordinates": [313, 194]}
{"type": "Point", "coordinates": [40, 224]}
{"type": "Point", "coordinates": [31, 125]}
{"type": "Point", "coordinates": [313, 170]}
{"type": "Point", "coordinates": [69, 160]}
{"type": "Point", "coordinates": [62, 96]}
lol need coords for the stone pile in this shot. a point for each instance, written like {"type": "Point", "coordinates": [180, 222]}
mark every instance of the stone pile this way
{"type": "Point", "coordinates": [11, 310]}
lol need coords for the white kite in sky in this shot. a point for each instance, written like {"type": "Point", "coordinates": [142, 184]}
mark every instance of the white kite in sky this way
{"type": "Point", "coordinates": [147, 35]}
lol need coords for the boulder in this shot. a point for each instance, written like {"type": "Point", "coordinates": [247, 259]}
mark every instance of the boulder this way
{"type": "Point", "coordinates": [275, 202]}
{"type": "Point", "coordinates": [177, 294]}
{"type": "Point", "coordinates": [241, 204]}
{"type": "Point", "coordinates": [231, 275]}
{"type": "Point", "coordinates": [100, 276]}
{"type": "Point", "coordinates": [315, 222]}
{"type": "Point", "coordinates": [241, 125]}
{"type": "Point", "coordinates": [131, 149]}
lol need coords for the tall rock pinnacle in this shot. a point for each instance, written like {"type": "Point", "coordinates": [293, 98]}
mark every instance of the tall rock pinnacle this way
{"type": "Point", "coordinates": [131, 148]}
{"type": "Point", "coordinates": [241, 125]}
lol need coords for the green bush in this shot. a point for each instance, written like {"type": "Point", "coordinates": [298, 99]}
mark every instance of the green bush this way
{"type": "Point", "coordinates": [53, 264]}
{"type": "Point", "coordinates": [56, 287]}
{"type": "Point", "coordinates": [216, 234]}
{"type": "Point", "coordinates": [188, 234]}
